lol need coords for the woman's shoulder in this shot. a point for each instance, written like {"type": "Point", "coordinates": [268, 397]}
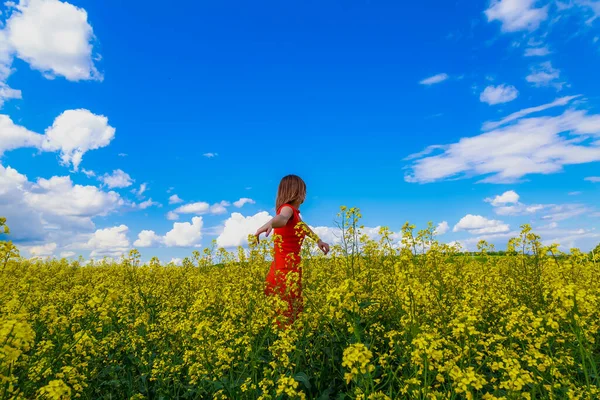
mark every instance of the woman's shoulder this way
{"type": "Point", "coordinates": [294, 209]}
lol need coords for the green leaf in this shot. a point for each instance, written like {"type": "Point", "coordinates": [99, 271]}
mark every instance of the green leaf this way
{"type": "Point", "coordinates": [325, 395]}
{"type": "Point", "coordinates": [302, 377]}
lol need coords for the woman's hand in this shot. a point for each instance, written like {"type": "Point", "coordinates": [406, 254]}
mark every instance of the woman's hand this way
{"type": "Point", "coordinates": [266, 228]}
{"type": "Point", "coordinates": [323, 246]}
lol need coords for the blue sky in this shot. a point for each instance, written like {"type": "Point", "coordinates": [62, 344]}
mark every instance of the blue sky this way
{"type": "Point", "coordinates": [399, 109]}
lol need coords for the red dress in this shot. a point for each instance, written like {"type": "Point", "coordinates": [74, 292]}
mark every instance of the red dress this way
{"type": "Point", "coordinates": [288, 242]}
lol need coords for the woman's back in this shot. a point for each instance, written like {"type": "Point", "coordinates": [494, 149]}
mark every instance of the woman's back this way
{"type": "Point", "coordinates": [288, 239]}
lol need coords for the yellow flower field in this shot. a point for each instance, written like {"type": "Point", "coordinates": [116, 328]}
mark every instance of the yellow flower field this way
{"type": "Point", "coordinates": [381, 321]}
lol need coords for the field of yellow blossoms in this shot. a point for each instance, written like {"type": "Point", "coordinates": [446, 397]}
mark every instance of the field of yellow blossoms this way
{"type": "Point", "coordinates": [381, 321]}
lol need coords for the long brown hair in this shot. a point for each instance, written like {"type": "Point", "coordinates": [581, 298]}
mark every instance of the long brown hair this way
{"type": "Point", "coordinates": [291, 188]}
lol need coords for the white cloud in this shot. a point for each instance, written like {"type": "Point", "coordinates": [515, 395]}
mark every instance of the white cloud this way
{"type": "Point", "coordinates": [51, 210]}
{"type": "Point", "coordinates": [442, 228]}
{"type": "Point", "coordinates": [147, 238]}
{"type": "Point", "coordinates": [434, 79]}
{"type": "Point", "coordinates": [73, 133]}
{"type": "Point", "coordinates": [244, 200]}
{"type": "Point", "coordinates": [576, 193]}
{"type": "Point", "coordinates": [176, 261]}
{"type": "Point", "coordinates": [59, 197]}
{"type": "Point", "coordinates": [567, 239]}
{"type": "Point", "coordinates": [519, 209]}
{"type": "Point", "coordinates": [88, 173]}
{"type": "Point", "coordinates": [562, 101]}
{"type": "Point", "coordinates": [210, 155]}
{"type": "Point", "coordinates": [537, 51]}
{"type": "Point", "coordinates": [140, 191]}
{"type": "Point", "coordinates": [53, 37]}
{"type": "Point", "coordinates": [45, 250]}
{"type": "Point", "coordinates": [476, 224]}
{"type": "Point", "coordinates": [592, 179]}
{"type": "Point", "coordinates": [328, 234]}
{"type": "Point", "coordinates": [13, 136]}
{"type": "Point", "coordinates": [545, 75]}
{"type": "Point", "coordinates": [174, 199]}
{"type": "Point", "coordinates": [8, 93]}
{"type": "Point", "coordinates": [185, 234]}
{"type": "Point", "coordinates": [219, 208]}
{"type": "Point", "coordinates": [118, 179]}
{"type": "Point", "coordinates": [109, 241]}
{"type": "Point", "coordinates": [200, 207]}
{"type": "Point", "coordinates": [541, 145]}
{"type": "Point", "coordinates": [507, 197]}
{"type": "Point", "coordinates": [76, 132]}
{"type": "Point", "coordinates": [554, 212]}
{"type": "Point", "coordinates": [148, 203]}
{"type": "Point", "coordinates": [498, 94]}
{"type": "Point", "coordinates": [67, 254]}
{"type": "Point", "coordinates": [516, 15]}
{"type": "Point", "coordinates": [237, 228]}
{"type": "Point", "coordinates": [561, 212]}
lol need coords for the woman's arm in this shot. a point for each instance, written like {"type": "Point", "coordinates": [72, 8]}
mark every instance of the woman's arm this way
{"type": "Point", "coordinates": [321, 244]}
{"type": "Point", "coordinates": [279, 221]}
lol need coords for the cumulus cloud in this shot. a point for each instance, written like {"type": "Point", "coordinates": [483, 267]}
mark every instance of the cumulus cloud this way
{"type": "Point", "coordinates": [13, 136]}
{"type": "Point", "coordinates": [8, 93]}
{"type": "Point", "coordinates": [508, 204]}
{"type": "Point", "coordinates": [148, 203]}
{"type": "Point", "coordinates": [73, 133]}
{"type": "Point", "coordinates": [171, 216]}
{"type": "Point", "coordinates": [174, 199]}
{"type": "Point", "coordinates": [45, 250]}
{"type": "Point", "coordinates": [241, 202]}
{"type": "Point", "coordinates": [53, 210]}
{"type": "Point", "coordinates": [331, 235]}
{"type": "Point", "coordinates": [434, 79]}
{"type": "Point", "coordinates": [476, 224]}
{"type": "Point", "coordinates": [183, 234]}
{"type": "Point", "coordinates": [109, 242]}
{"type": "Point", "coordinates": [58, 196]}
{"type": "Point", "coordinates": [442, 228]}
{"type": "Point", "coordinates": [592, 179]}
{"type": "Point", "coordinates": [508, 197]}
{"type": "Point", "coordinates": [53, 37]}
{"type": "Point", "coordinates": [76, 132]}
{"type": "Point", "coordinates": [147, 238]}
{"type": "Point", "coordinates": [237, 228]}
{"type": "Point", "coordinates": [535, 145]}
{"type": "Point", "coordinates": [199, 207]}
{"type": "Point", "coordinates": [88, 173]}
{"type": "Point", "coordinates": [219, 208]}
{"type": "Point", "coordinates": [498, 94]}
{"type": "Point", "coordinates": [516, 15]}
{"type": "Point", "coordinates": [118, 179]}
